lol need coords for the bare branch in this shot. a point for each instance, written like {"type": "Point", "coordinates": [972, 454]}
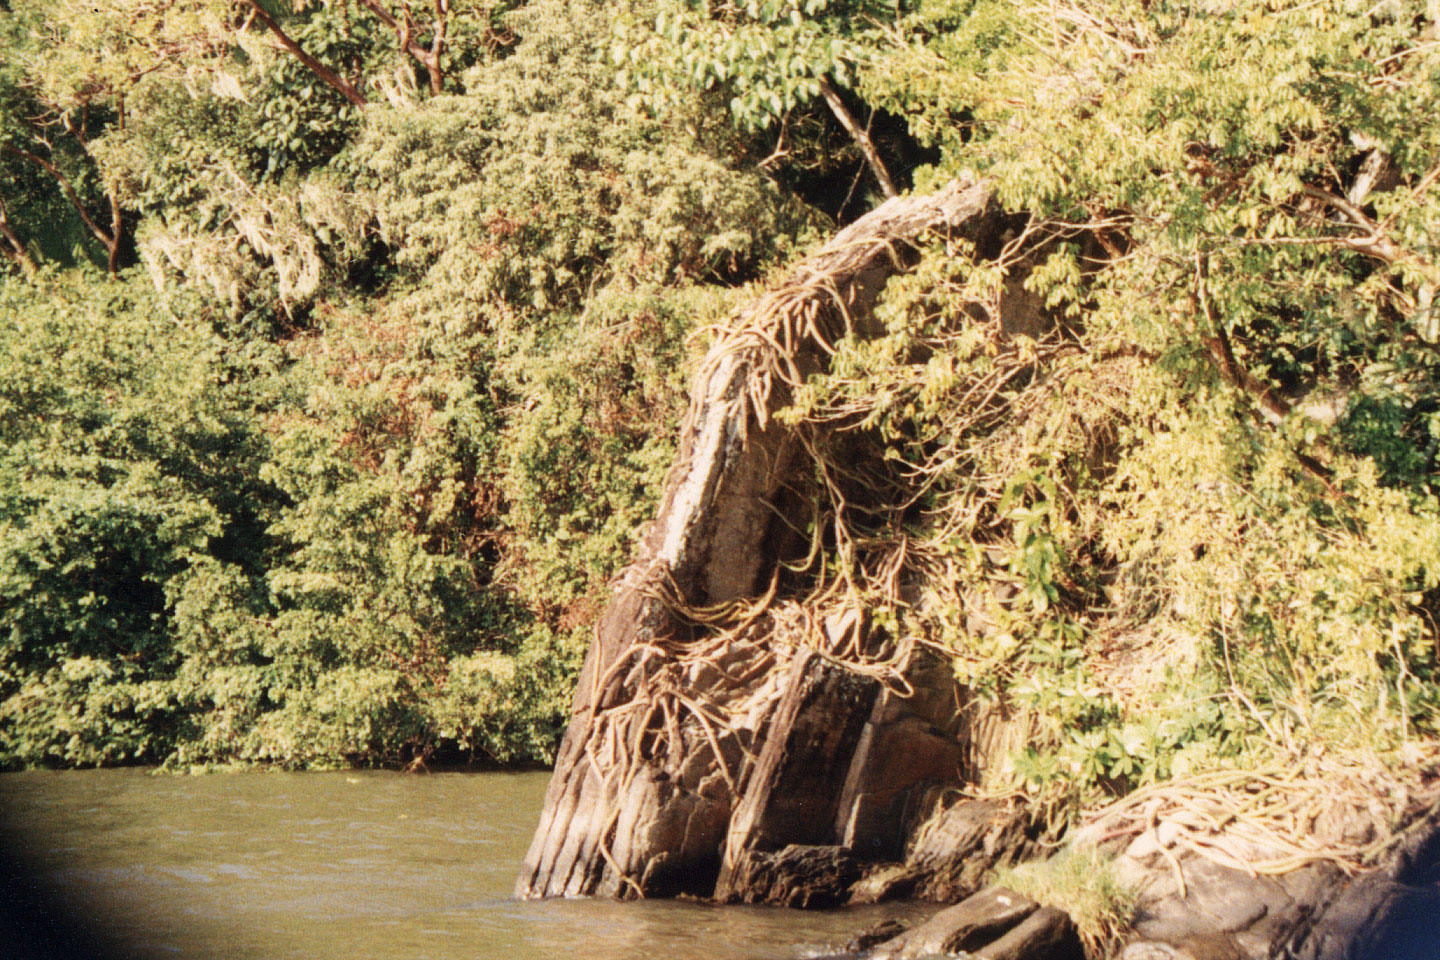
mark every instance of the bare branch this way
{"type": "Point", "coordinates": [1371, 169]}
{"type": "Point", "coordinates": [17, 251]}
{"type": "Point", "coordinates": [859, 135]}
{"type": "Point", "coordinates": [1375, 243]}
{"type": "Point", "coordinates": [1273, 408]}
{"type": "Point", "coordinates": [346, 89]}
{"type": "Point", "coordinates": [405, 33]}
{"type": "Point", "coordinates": [117, 217]}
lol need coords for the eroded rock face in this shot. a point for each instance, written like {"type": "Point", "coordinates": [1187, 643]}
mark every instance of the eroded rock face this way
{"type": "Point", "coordinates": [951, 854]}
{"type": "Point", "coordinates": [1377, 920]}
{"type": "Point", "coordinates": [865, 787]}
{"type": "Point", "coordinates": [796, 876]}
{"type": "Point", "coordinates": [791, 794]}
{"type": "Point", "coordinates": [654, 785]}
{"type": "Point", "coordinates": [1390, 914]}
{"type": "Point", "coordinates": [761, 771]}
{"type": "Point", "coordinates": [660, 813]}
{"type": "Point", "coordinates": [907, 746]}
{"type": "Point", "coordinates": [1216, 902]}
{"type": "Point", "coordinates": [964, 843]}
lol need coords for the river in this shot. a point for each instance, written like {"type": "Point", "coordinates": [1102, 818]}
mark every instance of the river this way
{"type": "Point", "coordinates": [349, 866]}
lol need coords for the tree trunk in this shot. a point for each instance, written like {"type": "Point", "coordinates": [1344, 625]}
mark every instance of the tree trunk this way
{"type": "Point", "coordinates": [116, 235]}
{"type": "Point", "coordinates": [680, 758]}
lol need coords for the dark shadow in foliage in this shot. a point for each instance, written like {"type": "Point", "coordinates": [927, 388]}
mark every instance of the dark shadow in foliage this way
{"type": "Point", "coordinates": [837, 179]}
{"type": "Point", "coordinates": [1401, 435]}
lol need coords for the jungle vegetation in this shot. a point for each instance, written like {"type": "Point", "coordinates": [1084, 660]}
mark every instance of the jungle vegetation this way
{"type": "Point", "coordinates": [343, 344]}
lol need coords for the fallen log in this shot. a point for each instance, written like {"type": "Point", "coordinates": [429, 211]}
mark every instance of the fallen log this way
{"type": "Point", "coordinates": [677, 761]}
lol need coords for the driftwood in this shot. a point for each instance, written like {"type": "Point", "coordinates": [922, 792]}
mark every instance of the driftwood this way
{"type": "Point", "coordinates": [688, 751]}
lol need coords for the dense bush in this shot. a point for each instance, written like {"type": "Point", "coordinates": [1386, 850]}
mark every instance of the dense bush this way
{"type": "Point", "coordinates": [1216, 485]}
{"type": "Point", "coordinates": [123, 464]}
{"type": "Point", "coordinates": [340, 470]}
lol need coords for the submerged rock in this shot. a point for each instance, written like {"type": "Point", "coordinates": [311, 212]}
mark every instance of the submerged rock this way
{"type": "Point", "coordinates": [1190, 907]}
{"type": "Point", "coordinates": [956, 849]}
{"type": "Point", "coordinates": [1047, 934]}
{"type": "Point", "coordinates": [1392, 913]}
{"type": "Point", "coordinates": [873, 935]}
{"type": "Point", "coordinates": [969, 925]}
{"type": "Point", "coordinates": [890, 881]}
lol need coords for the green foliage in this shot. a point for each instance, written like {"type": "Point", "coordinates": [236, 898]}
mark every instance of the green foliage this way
{"type": "Point", "coordinates": [121, 466]}
{"type": "Point", "coordinates": [770, 57]}
{"type": "Point", "coordinates": [346, 470]}
{"type": "Point", "coordinates": [584, 467]}
{"type": "Point", "coordinates": [535, 216]}
{"type": "Point", "coordinates": [214, 552]}
{"type": "Point", "coordinates": [1223, 507]}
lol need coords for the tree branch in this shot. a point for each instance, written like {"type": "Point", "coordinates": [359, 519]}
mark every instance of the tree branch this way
{"type": "Point", "coordinates": [117, 231]}
{"type": "Point", "coordinates": [334, 79]}
{"type": "Point", "coordinates": [404, 32]}
{"type": "Point", "coordinates": [1273, 408]}
{"type": "Point", "coordinates": [110, 241]}
{"type": "Point", "coordinates": [117, 217]}
{"type": "Point", "coordinates": [1376, 243]}
{"type": "Point", "coordinates": [17, 251]}
{"type": "Point", "coordinates": [859, 135]}
{"type": "Point", "coordinates": [1371, 168]}
{"type": "Point", "coordinates": [437, 45]}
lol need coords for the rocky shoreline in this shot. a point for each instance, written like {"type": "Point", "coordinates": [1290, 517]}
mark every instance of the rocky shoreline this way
{"type": "Point", "coordinates": [1315, 912]}
{"type": "Point", "coordinates": [843, 810]}
{"type": "Point", "coordinates": [730, 744]}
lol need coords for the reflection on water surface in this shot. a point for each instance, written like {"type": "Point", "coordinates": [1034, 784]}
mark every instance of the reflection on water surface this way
{"type": "Point", "coordinates": [349, 866]}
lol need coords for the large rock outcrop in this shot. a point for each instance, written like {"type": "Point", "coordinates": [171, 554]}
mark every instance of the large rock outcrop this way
{"type": "Point", "coordinates": [690, 753]}
{"type": "Point", "coordinates": [749, 766]}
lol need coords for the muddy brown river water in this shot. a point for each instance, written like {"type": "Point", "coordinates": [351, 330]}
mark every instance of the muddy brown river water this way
{"type": "Point", "coordinates": [348, 866]}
